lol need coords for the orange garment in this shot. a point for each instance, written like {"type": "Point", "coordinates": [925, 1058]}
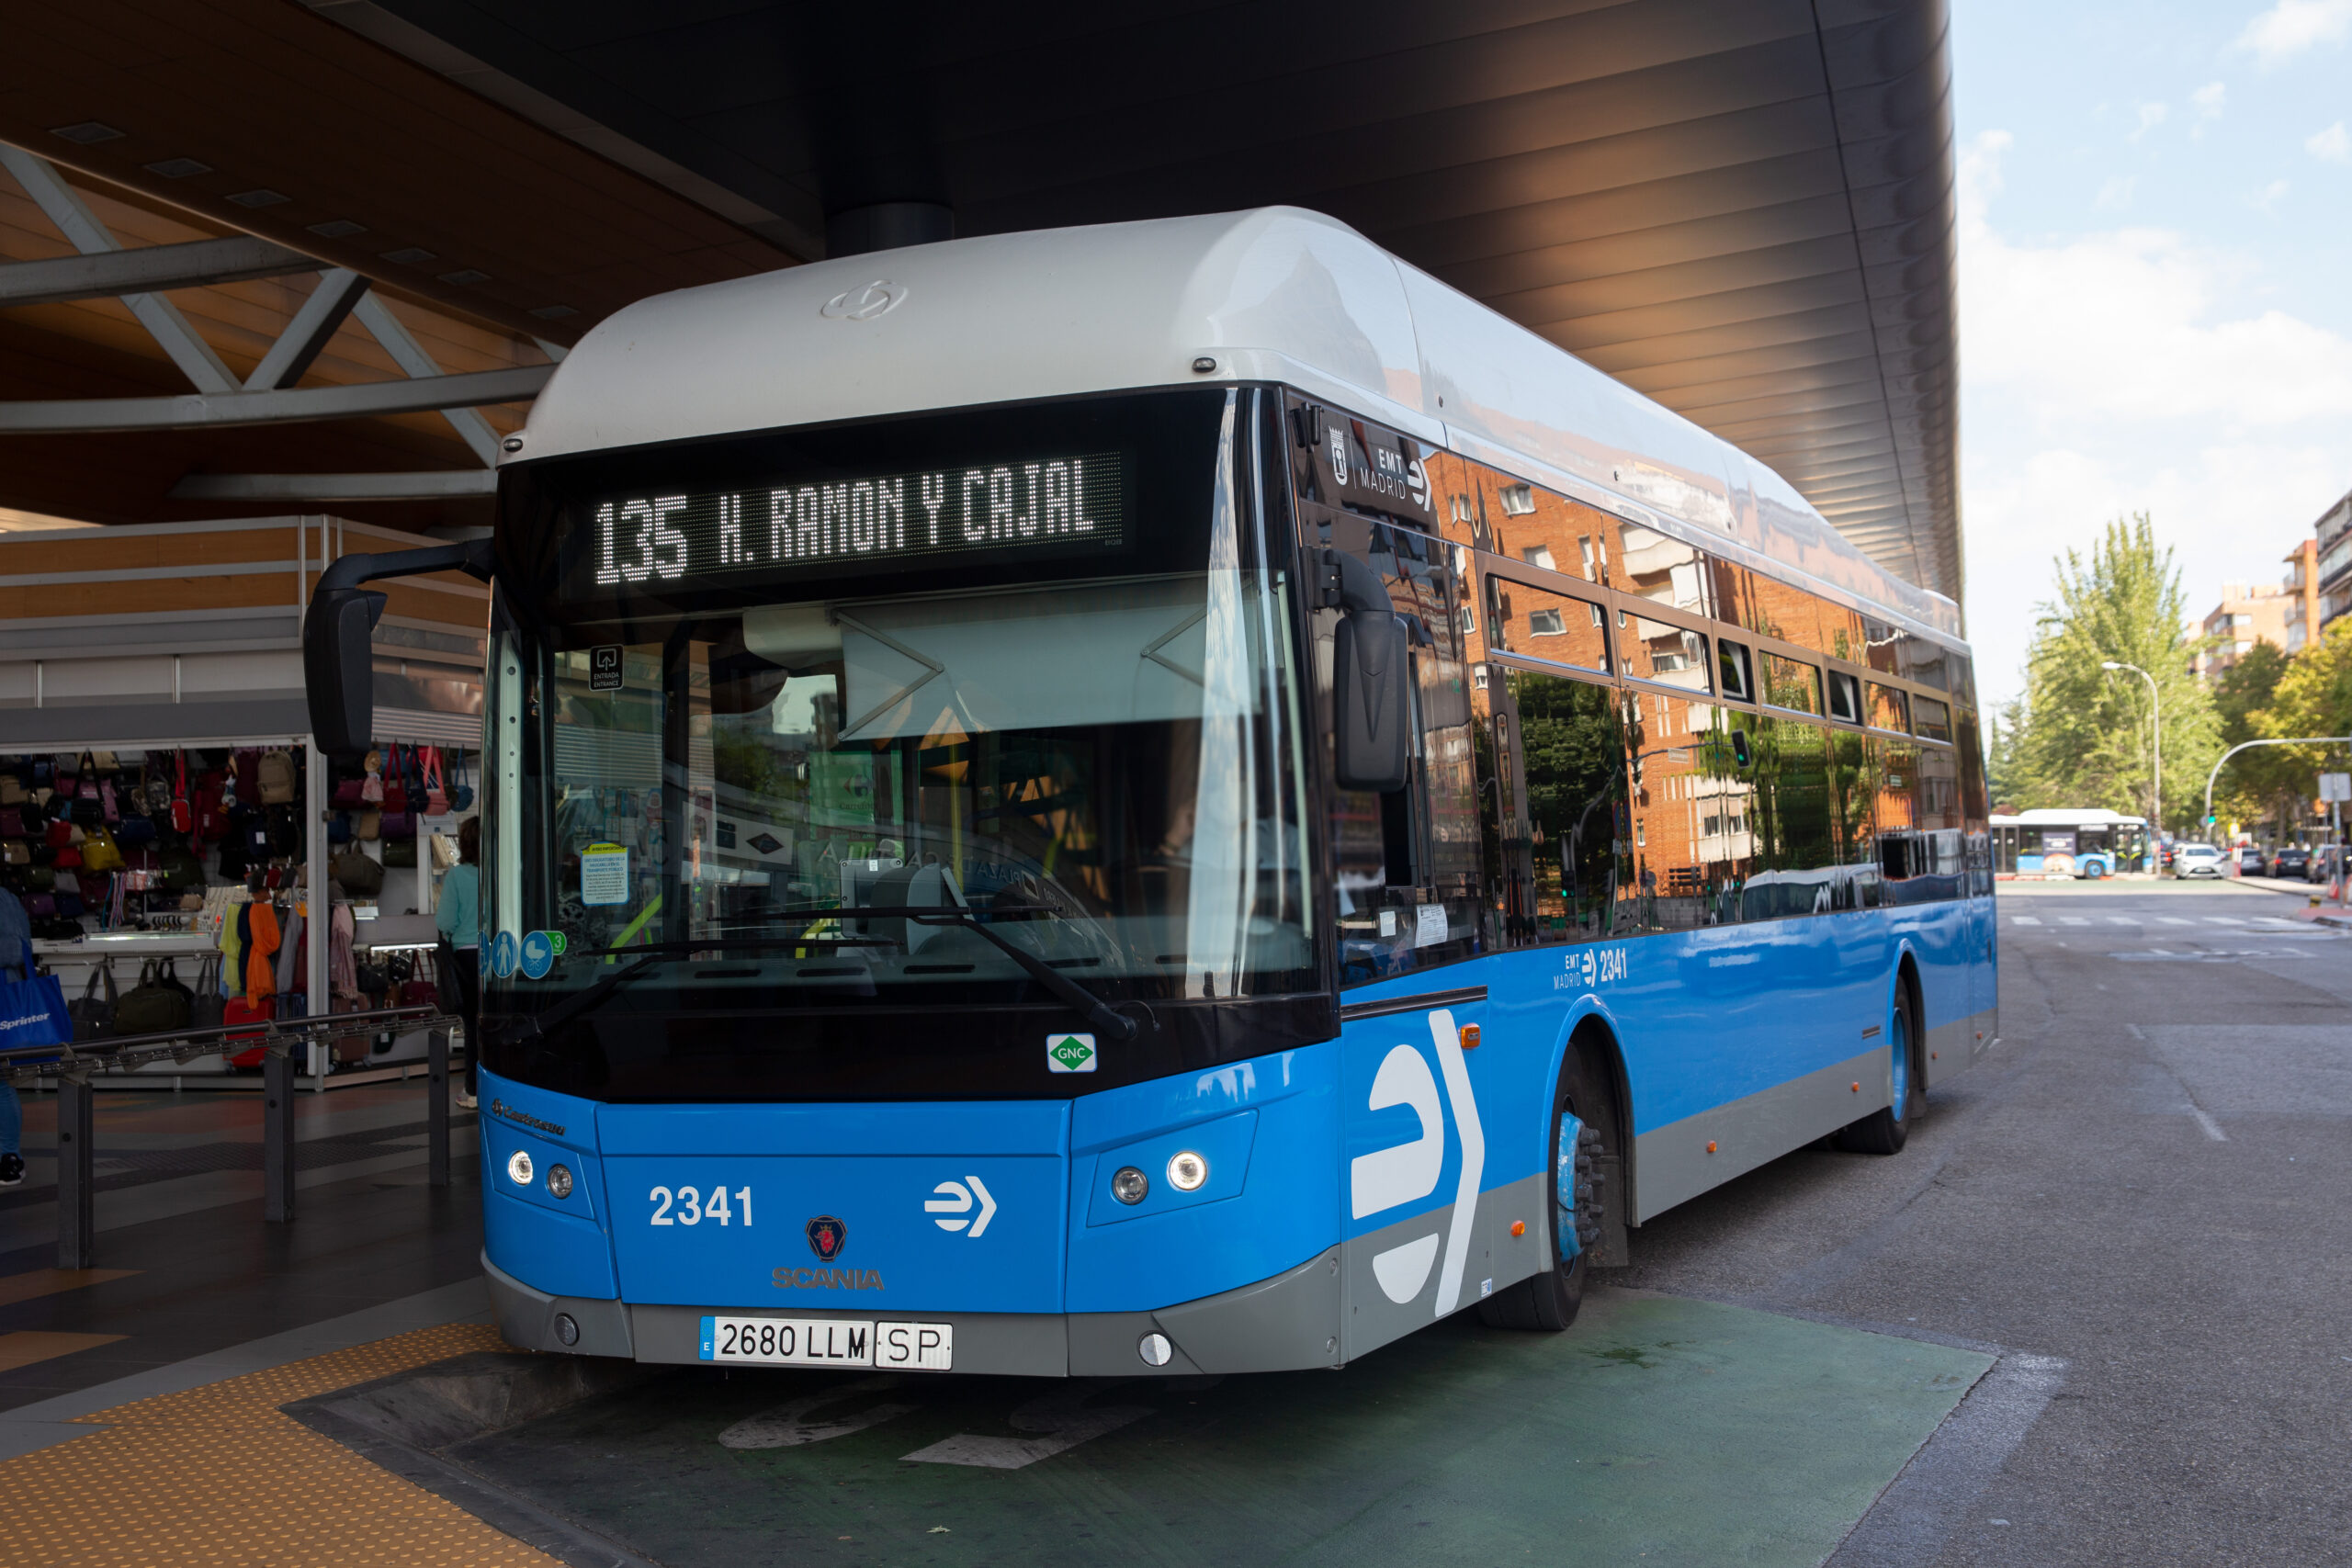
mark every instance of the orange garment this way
{"type": "Point", "coordinates": [261, 975]}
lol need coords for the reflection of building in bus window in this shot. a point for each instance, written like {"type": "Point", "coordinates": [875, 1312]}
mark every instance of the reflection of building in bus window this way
{"type": "Point", "coordinates": [1551, 759]}
{"type": "Point", "coordinates": [1555, 627]}
{"type": "Point", "coordinates": [1693, 812]}
{"type": "Point", "coordinates": [1791, 683]}
{"type": "Point", "coordinates": [1656, 651]}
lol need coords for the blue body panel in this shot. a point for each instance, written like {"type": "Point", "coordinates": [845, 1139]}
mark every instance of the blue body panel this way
{"type": "Point", "coordinates": [1000, 1206]}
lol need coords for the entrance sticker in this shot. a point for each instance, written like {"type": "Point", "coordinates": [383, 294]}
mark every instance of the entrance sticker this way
{"type": "Point", "coordinates": [604, 874]}
{"type": "Point", "coordinates": [505, 951]}
{"type": "Point", "coordinates": [538, 954]}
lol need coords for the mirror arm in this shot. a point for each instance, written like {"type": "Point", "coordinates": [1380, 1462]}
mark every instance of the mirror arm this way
{"type": "Point", "coordinates": [1345, 582]}
{"type": "Point", "coordinates": [475, 557]}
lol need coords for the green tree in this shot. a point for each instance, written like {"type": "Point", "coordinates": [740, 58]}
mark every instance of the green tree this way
{"type": "Point", "coordinates": [2263, 785]}
{"type": "Point", "coordinates": [2086, 737]}
{"type": "Point", "coordinates": [2001, 774]}
{"type": "Point", "coordinates": [2312, 696]}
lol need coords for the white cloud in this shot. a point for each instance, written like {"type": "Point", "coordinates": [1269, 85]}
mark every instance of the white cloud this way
{"type": "Point", "coordinates": [2207, 101]}
{"type": "Point", "coordinates": [2333, 144]}
{"type": "Point", "coordinates": [2119, 325]}
{"type": "Point", "coordinates": [2114, 371]}
{"type": "Point", "coordinates": [2115, 195]}
{"type": "Point", "coordinates": [2150, 117]}
{"type": "Point", "coordinates": [2292, 26]}
{"type": "Point", "coordinates": [2265, 201]}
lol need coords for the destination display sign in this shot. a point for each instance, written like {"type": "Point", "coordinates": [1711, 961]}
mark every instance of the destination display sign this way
{"type": "Point", "coordinates": [1049, 506]}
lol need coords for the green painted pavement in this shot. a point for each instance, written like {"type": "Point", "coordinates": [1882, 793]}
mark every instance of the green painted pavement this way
{"type": "Point", "coordinates": [1658, 1429]}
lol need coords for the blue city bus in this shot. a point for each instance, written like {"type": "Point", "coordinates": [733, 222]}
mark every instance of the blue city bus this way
{"type": "Point", "coordinates": [1175, 797]}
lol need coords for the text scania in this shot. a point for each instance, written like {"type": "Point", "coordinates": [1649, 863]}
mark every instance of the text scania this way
{"type": "Point", "coordinates": [669, 538]}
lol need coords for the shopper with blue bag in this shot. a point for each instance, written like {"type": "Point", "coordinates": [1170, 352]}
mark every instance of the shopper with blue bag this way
{"type": "Point", "coordinates": [32, 1013]}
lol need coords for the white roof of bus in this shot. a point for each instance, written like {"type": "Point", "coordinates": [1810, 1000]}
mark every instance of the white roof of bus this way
{"type": "Point", "coordinates": [1278, 294]}
{"type": "Point", "coordinates": [2068, 817]}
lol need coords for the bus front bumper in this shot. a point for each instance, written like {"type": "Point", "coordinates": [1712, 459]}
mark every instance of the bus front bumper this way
{"type": "Point", "coordinates": [1288, 1322]}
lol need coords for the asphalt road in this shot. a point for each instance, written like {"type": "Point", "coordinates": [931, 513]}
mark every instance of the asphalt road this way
{"type": "Point", "coordinates": [2143, 1198]}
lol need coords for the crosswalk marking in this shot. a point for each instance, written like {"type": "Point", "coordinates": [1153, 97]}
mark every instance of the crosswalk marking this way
{"type": "Point", "coordinates": [2072, 920]}
{"type": "Point", "coordinates": [2223, 920]}
{"type": "Point", "coordinates": [2175, 920]}
{"type": "Point", "coordinates": [2120, 920]}
{"type": "Point", "coordinates": [2023, 920]}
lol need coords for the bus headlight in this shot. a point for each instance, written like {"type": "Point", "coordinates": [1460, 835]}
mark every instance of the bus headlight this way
{"type": "Point", "coordinates": [1130, 1185]}
{"type": "Point", "coordinates": [518, 1167]}
{"type": "Point", "coordinates": [560, 1181]}
{"type": "Point", "coordinates": [1187, 1170]}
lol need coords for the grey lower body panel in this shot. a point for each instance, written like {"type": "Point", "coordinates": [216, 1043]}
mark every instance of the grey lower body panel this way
{"type": "Point", "coordinates": [1678, 1161]}
{"type": "Point", "coordinates": [1290, 1322]}
{"type": "Point", "coordinates": [1954, 1047]}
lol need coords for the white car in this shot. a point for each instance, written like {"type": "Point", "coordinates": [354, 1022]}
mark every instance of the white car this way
{"type": "Point", "coordinates": [2196, 860]}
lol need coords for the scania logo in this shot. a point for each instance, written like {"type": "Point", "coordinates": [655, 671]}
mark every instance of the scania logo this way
{"type": "Point", "coordinates": [863, 304]}
{"type": "Point", "coordinates": [827, 1237]}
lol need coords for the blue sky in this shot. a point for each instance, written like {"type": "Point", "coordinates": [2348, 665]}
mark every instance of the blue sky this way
{"type": "Point", "coordinates": [2155, 289]}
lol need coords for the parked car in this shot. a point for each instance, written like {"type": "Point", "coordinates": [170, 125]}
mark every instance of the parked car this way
{"type": "Point", "coordinates": [2251, 861]}
{"type": "Point", "coordinates": [2196, 860]}
{"type": "Point", "coordinates": [2293, 859]}
{"type": "Point", "coordinates": [2320, 866]}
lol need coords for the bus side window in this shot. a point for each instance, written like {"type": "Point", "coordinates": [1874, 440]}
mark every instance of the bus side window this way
{"type": "Point", "coordinates": [1693, 810]}
{"type": "Point", "coordinates": [1552, 793]}
{"type": "Point", "coordinates": [1798, 866]}
{"type": "Point", "coordinates": [1732, 666]}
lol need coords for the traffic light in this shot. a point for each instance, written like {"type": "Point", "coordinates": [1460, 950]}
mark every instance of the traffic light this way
{"type": "Point", "coordinates": [2210, 820]}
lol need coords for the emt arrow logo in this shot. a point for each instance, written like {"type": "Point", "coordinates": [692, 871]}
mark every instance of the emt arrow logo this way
{"type": "Point", "coordinates": [956, 1198]}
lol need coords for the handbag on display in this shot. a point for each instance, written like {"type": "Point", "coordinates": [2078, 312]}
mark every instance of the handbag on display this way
{"type": "Point", "coordinates": [15, 851]}
{"type": "Point", "coordinates": [396, 782]}
{"type": "Point", "coordinates": [284, 832]}
{"type": "Point", "coordinates": [107, 799]}
{"type": "Point", "coordinates": [400, 854]}
{"type": "Point", "coordinates": [368, 824]}
{"type": "Point", "coordinates": [180, 870]}
{"type": "Point", "coordinates": [183, 807]}
{"type": "Point", "coordinates": [40, 905]}
{"type": "Point", "coordinates": [436, 798]}
{"type": "Point", "coordinates": [346, 796]}
{"type": "Point", "coordinates": [93, 1013]}
{"type": "Point", "coordinates": [12, 822]}
{"type": "Point", "coordinates": [13, 791]}
{"type": "Point", "coordinates": [68, 858]}
{"type": "Point", "coordinates": [59, 832]}
{"type": "Point", "coordinates": [462, 794]}
{"type": "Point", "coordinates": [134, 828]}
{"type": "Point", "coordinates": [107, 762]}
{"type": "Point", "coordinates": [339, 827]}
{"type": "Point", "coordinates": [207, 1010]}
{"type": "Point", "coordinates": [153, 1005]}
{"type": "Point", "coordinates": [247, 1009]}
{"type": "Point", "coordinates": [361, 874]}
{"type": "Point", "coordinates": [44, 774]}
{"type": "Point", "coordinates": [397, 825]}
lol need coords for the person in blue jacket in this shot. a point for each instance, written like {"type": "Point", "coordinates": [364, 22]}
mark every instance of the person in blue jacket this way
{"type": "Point", "coordinates": [459, 918]}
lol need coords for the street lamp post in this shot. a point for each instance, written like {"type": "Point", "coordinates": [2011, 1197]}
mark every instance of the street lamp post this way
{"type": "Point", "coordinates": [2156, 740]}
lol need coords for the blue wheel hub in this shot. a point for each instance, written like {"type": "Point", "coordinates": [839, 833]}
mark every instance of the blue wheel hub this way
{"type": "Point", "coordinates": [1563, 1178]}
{"type": "Point", "coordinates": [1899, 1045]}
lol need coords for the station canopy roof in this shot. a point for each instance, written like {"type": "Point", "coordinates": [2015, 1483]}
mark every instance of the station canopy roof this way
{"type": "Point", "coordinates": [1742, 208]}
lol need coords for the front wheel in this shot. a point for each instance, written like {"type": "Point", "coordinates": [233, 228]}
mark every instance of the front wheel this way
{"type": "Point", "coordinates": [1885, 1132]}
{"type": "Point", "coordinates": [1549, 1302]}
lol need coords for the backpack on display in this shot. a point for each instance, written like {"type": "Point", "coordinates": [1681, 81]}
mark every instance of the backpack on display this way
{"type": "Point", "coordinates": [99, 851]}
{"type": "Point", "coordinates": [275, 775]}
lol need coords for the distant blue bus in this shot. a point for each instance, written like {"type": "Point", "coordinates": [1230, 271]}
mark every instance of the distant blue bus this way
{"type": "Point", "coordinates": [2086, 842]}
{"type": "Point", "coordinates": [1171, 798]}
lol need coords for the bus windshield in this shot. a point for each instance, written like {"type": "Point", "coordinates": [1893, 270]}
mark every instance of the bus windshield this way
{"type": "Point", "coordinates": [1088, 755]}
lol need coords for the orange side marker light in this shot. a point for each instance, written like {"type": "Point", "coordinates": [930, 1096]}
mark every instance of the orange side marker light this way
{"type": "Point", "coordinates": [1710, 1145]}
{"type": "Point", "coordinates": [1858, 1089]}
{"type": "Point", "coordinates": [1519, 1227]}
{"type": "Point", "coordinates": [1469, 1037]}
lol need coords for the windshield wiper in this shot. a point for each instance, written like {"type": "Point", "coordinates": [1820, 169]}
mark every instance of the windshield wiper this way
{"type": "Point", "coordinates": [1081, 1000]}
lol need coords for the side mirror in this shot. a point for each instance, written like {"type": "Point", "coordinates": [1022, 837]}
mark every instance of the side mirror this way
{"type": "Point", "coordinates": [339, 668]}
{"type": "Point", "coordinates": [1372, 667]}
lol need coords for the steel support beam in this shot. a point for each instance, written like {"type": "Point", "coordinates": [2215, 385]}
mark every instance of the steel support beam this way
{"type": "Point", "coordinates": [111, 273]}
{"type": "Point", "coordinates": [339, 289]}
{"type": "Point", "coordinates": [430, 486]}
{"type": "Point", "coordinates": [409, 355]}
{"type": "Point", "coordinates": [78, 1125]}
{"type": "Point", "coordinates": [277, 1132]}
{"type": "Point", "coordinates": [81, 227]}
{"type": "Point", "coordinates": [285, 406]}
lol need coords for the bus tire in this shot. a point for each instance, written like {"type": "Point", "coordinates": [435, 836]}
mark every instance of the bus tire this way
{"type": "Point", "coordinates": [1885, 1132]}
{"type": "Point", "coordinates": [1548, 1301]}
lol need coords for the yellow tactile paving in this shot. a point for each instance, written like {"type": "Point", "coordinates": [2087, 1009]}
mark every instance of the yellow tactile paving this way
{"type": "Point", "coordinates": [218, 1476]}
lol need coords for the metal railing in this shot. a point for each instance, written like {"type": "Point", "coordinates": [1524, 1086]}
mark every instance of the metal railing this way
{"type": "Point", "coordinates": [73, 1066]}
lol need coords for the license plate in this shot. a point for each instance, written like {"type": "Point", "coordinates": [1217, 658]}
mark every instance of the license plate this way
{"type": "Point", "coordinates": [830, 1342]}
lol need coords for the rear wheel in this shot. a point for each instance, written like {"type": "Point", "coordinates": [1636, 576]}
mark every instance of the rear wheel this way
{"type": "Point", "coordinates": [1550, 1300]}
{"type": "Point", "coordinates": [1885, 1132]}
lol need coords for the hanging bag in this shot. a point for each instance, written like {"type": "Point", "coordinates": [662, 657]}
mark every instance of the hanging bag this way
{"type": "Point", "coordinates": [183, 808]}
{"type": "Point", "coordinates": [396, 785]}
{"type": "Point", "coordinates": [93, 1013]}
{"type": "Point", "coordinates": [275, 776]}
{"type": "Point", "coordinates": [99, 851]}
{"type": "Point", "coordinates": [205, 1013]}
{"type": "Point", "coordinates": [462, 794]}
{"type": "Point", "coordinates": [436, 798]}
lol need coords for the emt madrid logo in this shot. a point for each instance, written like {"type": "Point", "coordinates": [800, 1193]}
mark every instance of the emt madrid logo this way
{"type": "Point", "coordinates": [827, 1237]}
{"type": "Point", "coordinates": [1070, 1053]}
